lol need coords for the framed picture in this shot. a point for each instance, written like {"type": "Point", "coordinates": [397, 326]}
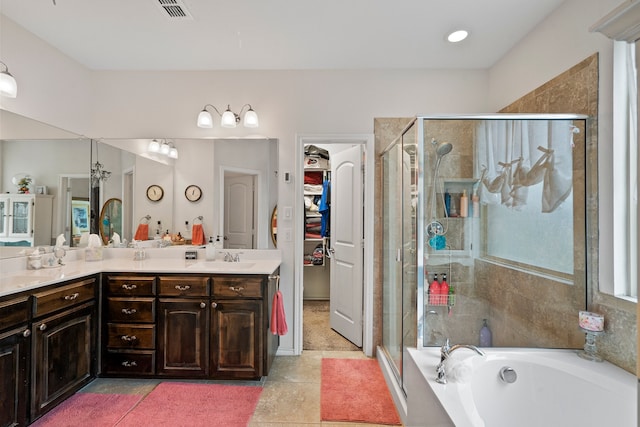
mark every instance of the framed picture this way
{"type": "Point", "coordinates": [41, 189]}
{"type": "Point", "coordinates": [79, 216]}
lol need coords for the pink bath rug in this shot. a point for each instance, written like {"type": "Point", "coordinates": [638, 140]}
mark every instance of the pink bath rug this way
{"type": "Point", "coordinates": [89, 409]}
{"type": "Point", "coordinates": [175, 404]}
{"type": "Point", "coordinates": [354, 390]}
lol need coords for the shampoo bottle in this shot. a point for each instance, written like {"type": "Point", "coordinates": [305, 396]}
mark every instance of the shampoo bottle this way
{"type": "Point", "coordinates": [485, 335]}
{"type": "Point", "coordinates": [447, 203]}
{"type": "Point", "coordinates": [210, 250]}
{"type": "Point", "coordinates": [475, 200]}
{"type": "Point", "coordinates": [444, 290]}
{"type": "Point", "coordinates": [464, 204]}
{"type": "Point", "coordinates": [434, 291]}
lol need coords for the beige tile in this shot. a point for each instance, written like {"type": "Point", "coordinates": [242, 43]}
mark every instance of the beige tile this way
{"type": "Point", "coordinates": [304, 368]}
{"type": "Point", "coordinates": [291, 402]}
{"type": "Point", "coordinates": [121, 386]}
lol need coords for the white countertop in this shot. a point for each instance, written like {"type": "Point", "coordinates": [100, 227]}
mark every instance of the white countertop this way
{"type": "Point", "coordinates": [14, 276]}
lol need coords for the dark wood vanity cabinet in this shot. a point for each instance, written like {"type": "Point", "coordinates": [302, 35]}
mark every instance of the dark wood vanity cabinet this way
{"type": "Point", "coordinates": [15, 346]}
{"type": "Point", "coordinates": [63, 330]}
{"type": "Point", "coordinates": [183, 326]}
{"type": "Point", "coordinates": [188, 326]}
{"type": "Point", "coordinates": [129, 325]}
{"type": "Point", "coordinates": [239, 328]}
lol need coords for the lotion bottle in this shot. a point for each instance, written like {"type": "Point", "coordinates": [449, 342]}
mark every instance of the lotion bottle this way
{"type": "Point", "coordinates": [444, 290]}
{"type": "Point", "coordinates": [464, 204]}
{"type": "Point", "coordinates": [485, 335]}
{"type": "Point", "coordinates": [434, 291]}
{"type": "Point", "coordinates": [210, 250]}
{"type": "Point", "coordinates": [218, 243]}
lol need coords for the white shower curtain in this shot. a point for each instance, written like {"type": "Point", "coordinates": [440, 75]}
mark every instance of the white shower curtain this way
{"type": "Point", "coordinates": [512, 155]}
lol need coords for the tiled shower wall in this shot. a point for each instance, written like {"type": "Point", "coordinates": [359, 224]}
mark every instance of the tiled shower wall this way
{"type": "Point", "coordinates": [524, 309]}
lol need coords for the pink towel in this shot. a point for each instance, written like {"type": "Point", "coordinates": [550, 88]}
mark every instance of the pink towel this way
{"type": "Point", "coordinates": [197, 235]}
{"type": "Point", "coordinates": [142, 233]}
{"type": "Point", "coordinates": [278, 320]}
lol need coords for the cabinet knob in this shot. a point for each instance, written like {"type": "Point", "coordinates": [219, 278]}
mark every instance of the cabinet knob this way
{"type": "Point", "coordinates": [72, 296]}
{"type": "Point", "coordinates": [129, 311]}
{"type": "Point", "coordinates": [43, 327]}
{"type": "Point", "coordinates": [202, 305]}
{"type": "Point", "coordinates": [26, 333]}
{"type": "Point", "coordinates": [183, 288]}
{"type": "Point", "coordinates": [214, 304]}
{"type": "Point", "coordinates": [129, 287]}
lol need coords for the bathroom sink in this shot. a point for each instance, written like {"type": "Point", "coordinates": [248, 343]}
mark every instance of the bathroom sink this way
{"type": "Point", "coordinates": [225, 266]}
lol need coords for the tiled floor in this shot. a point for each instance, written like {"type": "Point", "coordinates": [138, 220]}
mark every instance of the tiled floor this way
{"type": "Point", "coordinates": [290, 396]}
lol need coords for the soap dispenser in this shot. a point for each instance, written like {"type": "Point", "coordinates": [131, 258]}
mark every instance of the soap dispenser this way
{"type": "Point", "coordinates": [210, 250]}
{"type": "Point", "coordinates": [218, 243]}
{"type": "Point", "coordinates": [485, 335]}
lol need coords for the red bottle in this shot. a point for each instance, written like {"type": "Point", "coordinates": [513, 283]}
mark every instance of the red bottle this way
{"type": "Point", "coordinates": [444, 290]}
{"type": "Point", "coordinates": [434, 291]}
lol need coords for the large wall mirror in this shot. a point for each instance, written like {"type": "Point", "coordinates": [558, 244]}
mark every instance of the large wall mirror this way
{"type": "Point", "coordinates": [50, 156]}
{"type": "Point", "coordinates": [123, 169]}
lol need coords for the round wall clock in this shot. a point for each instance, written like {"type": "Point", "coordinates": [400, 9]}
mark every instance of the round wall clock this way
{"type": "Point", "coordinates": [155, 193]}
{"type": "Point", "coordinates": [193, 193]}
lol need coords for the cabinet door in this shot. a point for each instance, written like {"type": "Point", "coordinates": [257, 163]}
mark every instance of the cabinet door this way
{"type": "Point", "coordinates": [62, 359]}
{"type": "Point", "coordinates": [183, 344]}
{"type": "Point", "coordinates": [14, 354]}
{"type": "Point", "coordinates": [20, 219]}
{"type": "Point", "coordinates": [4, 217]}
{"type": "Point", "coordinates": [236, 339]}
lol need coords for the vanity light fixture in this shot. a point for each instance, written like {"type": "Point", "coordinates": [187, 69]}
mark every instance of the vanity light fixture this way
{"type": "Point", "coordinates": [457, 36]}
{"type": "Point", "coordinates": [228, 119]}
{"type": "Point", "coordinates": [164, 147]}
{"type": "Point", "coordinates": [8, 84]}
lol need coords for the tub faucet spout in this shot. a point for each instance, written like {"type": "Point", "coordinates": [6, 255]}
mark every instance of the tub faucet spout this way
{"type": "Point", "coordinates": [445, 352]}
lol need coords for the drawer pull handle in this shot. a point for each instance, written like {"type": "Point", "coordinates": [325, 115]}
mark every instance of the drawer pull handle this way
{"type": "Point", "coordinates": [129, 311]}
{"type": "Point", "coordinates": [72, 296]}
{"type": "Point", "coordinates": [26, 333]}
{"type": "Point", "coordinates": [129, 287]}
{"type": "Point", "coordinates": [128, 364]}
{"type": "Point", "coordinates": [237, 289]}
{"type": "Point", "coordinates": [129, 338]}
{"type": "Point", "coordinates": [183, 288]}
{"type": "Point", "coordinates": [42, 327]}
{"type": "Point", "coordinates": [214, 304]}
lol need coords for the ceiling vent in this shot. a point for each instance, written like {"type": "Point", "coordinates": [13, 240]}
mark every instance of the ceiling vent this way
{"type": "Point", "coordinates": [174, 9]}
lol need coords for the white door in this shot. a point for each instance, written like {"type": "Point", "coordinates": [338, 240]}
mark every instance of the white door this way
{"type": "Point", "coordinates": [346, 244]}
{"type": "Point", "coordinates": [238, 212]}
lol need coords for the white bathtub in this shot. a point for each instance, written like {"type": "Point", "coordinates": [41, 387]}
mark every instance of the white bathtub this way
{"type": "Point", "coordinates": [553, 388]}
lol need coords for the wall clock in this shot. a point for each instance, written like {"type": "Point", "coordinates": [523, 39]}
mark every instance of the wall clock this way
{"type": "Point", "coordinates": [193, 193]}
{"type": "Point", "coordinates": [155, 193]}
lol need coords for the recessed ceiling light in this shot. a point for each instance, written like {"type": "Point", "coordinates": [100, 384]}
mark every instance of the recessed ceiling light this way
{"type": "Point", "coordinates": [457, 36]}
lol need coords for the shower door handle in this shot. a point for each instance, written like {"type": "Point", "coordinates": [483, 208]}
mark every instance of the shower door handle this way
{"type": "Point", "coordinates": [399, 255]}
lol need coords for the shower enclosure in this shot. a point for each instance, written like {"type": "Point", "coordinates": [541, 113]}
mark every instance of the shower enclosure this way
{"type": "Point", "coordinates": [484, 220]}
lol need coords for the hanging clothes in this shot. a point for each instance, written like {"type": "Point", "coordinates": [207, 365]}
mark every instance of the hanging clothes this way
{"type": "Point", "coordinates": [324, 208]}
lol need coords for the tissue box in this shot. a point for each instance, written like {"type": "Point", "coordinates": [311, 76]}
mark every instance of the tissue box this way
{"type": "Point", "coordinates": [93, 254]}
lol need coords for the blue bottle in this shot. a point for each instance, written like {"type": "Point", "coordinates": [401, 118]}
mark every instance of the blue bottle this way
{"type": "Point", "coordinates": [447, 203]}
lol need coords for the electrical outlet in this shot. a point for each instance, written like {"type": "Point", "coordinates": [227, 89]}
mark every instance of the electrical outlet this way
{"type": "Point", "coordinates": [287, 234]}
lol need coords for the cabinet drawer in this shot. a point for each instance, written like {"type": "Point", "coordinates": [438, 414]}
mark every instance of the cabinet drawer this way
{"type": "Point", "coordinates": [14, 312]}
{"type": "Point", "coordinates": [131, 285]}
{"type": "Point", "coordinates": [131, 336]}
{"type": "Point", "coordinates": [130, 362]}
{"type": "Point", "coordinates": [132, 310]}
{"type": "Point", "coordinates": [238, 286]}
{"type": "Point", "coordinates": [63, 297]}
{"type": "Point", "coordinates": [184, 286]}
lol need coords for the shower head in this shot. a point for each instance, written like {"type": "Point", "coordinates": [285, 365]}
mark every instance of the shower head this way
{"type": "Point", "coordinates": [443, 148]}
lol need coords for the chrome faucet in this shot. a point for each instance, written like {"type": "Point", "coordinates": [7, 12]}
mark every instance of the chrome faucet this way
{"type": "Point", "coordinates": [445, 352]}
{"type": "Point", "coordinates": [229, 257]}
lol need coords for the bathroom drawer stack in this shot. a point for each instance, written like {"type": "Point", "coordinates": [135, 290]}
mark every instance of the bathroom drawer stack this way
{"type": "Point", "coordinates": [130, 318]}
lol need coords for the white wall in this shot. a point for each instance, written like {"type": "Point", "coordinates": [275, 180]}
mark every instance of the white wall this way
{"type": "Point", "coordinates": [111, 104]}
